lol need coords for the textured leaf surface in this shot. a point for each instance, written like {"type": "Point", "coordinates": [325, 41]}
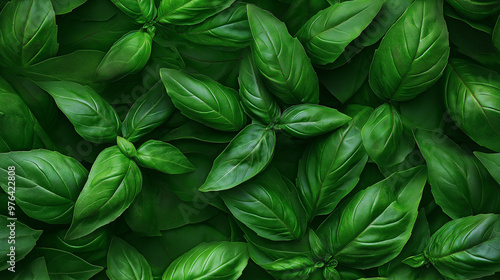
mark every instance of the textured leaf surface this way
{"type": "Point", "coordinates": [142, 11]}
{"type": "Point", "coordinates": [163, 157]}
{"type": "Point", "coordinates": [125, 262]}
{"type": "Point", "coordinates": [491, 162]}
{"type": "Point", "coordinates": [188, 12]}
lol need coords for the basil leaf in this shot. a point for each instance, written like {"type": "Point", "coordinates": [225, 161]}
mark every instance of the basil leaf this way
{"type": "Point", "coordinates": [374, 225]}
{"type": "Point", "coordinates": [326, 35]}
{"type": "Point", "coordinates": [47, 183]}
{"type": "Point", "coordinates": [197, 131]}
{"type": "Point", "coordinates": [228, 28]}
{"type": "Point", "coordinates": [475, 9]}
{"type": "Point", "coordinates": [298, 12]}
{"type": "Point", "coordinates": [28, 32]}
{"type": "Point", "coordinates": [127, 56]}
{"type": "Point", "coordinates": [465, 248]}
{"type": "Point", "coordinates": [461, 186]}
{"type": "Point", "coordinates": [281, 59]}
{"type": "Point", "coordinates": [63, 265]}
{"type": "Point", "coordinates": [148, 112]}
{"type": "Point", "coordinates": [473, 101]}
{"type": "Point", "coordinates": [331, 166]}
{"type": "Point", "coordinates": [491, 162]}
{"type": "Point", "coordinates": [385, 138]}
{"type": "Point", "coordinates": [496, 34]}
{"type": "Point", "coordinates": [217, 260]}
{"type": "Point", "coordinates": [96, 241]}
{"type": "Point", "coordinates": [125, 262]}
{"type": "Point", "coordinates": [126, 147]}
{"type": "Point", "coordinates": [189, 12]}
{"type": "Point", "coordinates": [245, 156]}
{"type": "Point", "coordinates": [37, 269]}
{"type": "Point", "coordinates": [15, 115]}
{"type": "Point", "coordinates": [413, 54]}
{"type": "Point", "coordinates": [163, 157]}
{"type": "Point", "coordinates": [66, 6]}
{"type": "Point", "coordinates": [158, 208]}
{"type": "Point", "coordinates": [142, 11]}
{"type": "Point", "coordinates": [62, 68]}
{"type": "Point", "coordinates": [204, 100]}
{"type": "Point", "coordinates": [94, 119]}
{"type": "Point", "coordinates": [258, 102]}
{"type": "Point", "coordinates": [299, 267]}
{"type": "Point", "coordinates": [113, 183]}
{"type": "Point", "coordinates": [24, 242]}
{"type": "Point", "coordinates": [268, 207]}
{"type": "Point", "coordinates": [308, 120]}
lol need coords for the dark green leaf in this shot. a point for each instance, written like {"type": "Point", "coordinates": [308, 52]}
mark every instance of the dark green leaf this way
{"type": "Point", "coordinates": [142, 11]}
{"type": "Point", "coordinates": [216, 260]}
{"type": "Point", "coordinates": [94, 119]}
{"type": "Point", "coordinates": [188, 12]}
{"type": "Point", "coordinates": [308, 120]}
{"type": "Point", "coordinates": [413, 54]}
{"type": "Point", "coordinates": [163, 157]}
{"type": "Point", "coordinates": [475, 9]}
{"type": "Point", "coordinates": [125, 262]}
{"type": "Point", "coordinates": [197, 131]}
{"type": "Point", "coordinates": [114, 182]}
{"type": "Point", "coordinates": [258, 102]}
{"type": "Point", "coordinates": [66, 6]}
{"type": "Point", "coordinates": [268, 207]}
{"type": "Point", "coordinates": [496, 34]}
{"type": "Point", "coordinates": [28, 32]}
{"type": "Point", "coordinates": [385, 138]}
{"type": "Point", "coordinates": [37, 269]}
{"type": "Point", "coordinates": [281, 59]}
{"type": "Point", "coordinates": [226, 29]}
{"type": "Point", "coordinates": [128, 55]}
{"type": "Point", "coordinates": [491, 162]}
{"type": "Point", "coordinates": [47, 183]}
{"type": "Point", "coordinates": [473, 101]}
{"type": "Point", "coordinates": [326, 35]}
{"type": "Point", "coordinates": [147, 113]}
{"type": "Point", "coordinates": [245, 156]}
{"type": "Point", "coordinates": [62, 265]}
{"type": "Point", "coordinates": [331, 166]}
{"type": "Point", "coordinates": [25, 240]}
{"type": "Point", "coordinates": [374, 225]}
{"type": "Point", "coordinates": [204, 100]}
{"type": "Point", "coordinates": [460, 185]}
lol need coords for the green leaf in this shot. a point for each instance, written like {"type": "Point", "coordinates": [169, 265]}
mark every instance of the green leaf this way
{"type": "Point", "coordinates": [126, 147]}
{"type": "Point", "coordinates": [473, 101]}
{"type": "Point", "coordinates": [157, 208]}
{"type": "Point", "coordinates": [197, 131]}
{"type": "Point", "coordinates": [128, 55]}
{"type": "Point", "coordinates": [62, 68]}
{"type": "Point", "coordinates": [148, 112]}
{"type": "Point", "coordinates": [385, 138]}
{"type": "Point", "coordinates": [281, 59]}
{"type": "Point", "coordinates": [258, 102]}
{"type": "Point", "coordinates": [245, 156]}
{"type": "Point", "coordinates": [268, 207]}
{"type": "Point", "coordinates": [416, 261]}
{"type": "Point", "coordinates": [228, 28]}
{"type": "Point", "coordinates": [125, 262]}
{"type": "Point", "coordinates": [491, 162]}
{"type": "Point", "coordinates": [466, 248]}
{"type": "Point", "coordinates": [163, 157]}
{"type": "Point", "coordinates": [94, 119]}
{"type": "Point", "coordinates": [299, 267]}
{"type": "Point", "coordinates": [37, 269]}
{"type": "Point", "coordinates": [309, 120]}
{"type": "Point", "coordinates": [475, 9]}
{"type": "Point", "coordinates": [142, 11]}
{"type": "Point", "coordinates": [16, 115]}
{"type": "Point", "coordinates": [46, 184]}
{"type": "Point", "coordinates": [189, 12]}
{"type": "Point", "coordinates": [25, 240]}
{"type": "Point", "coordinates": [63, 265]}
{"type": "Point", "coordinates": [326, 35]}
{"type": "Point", "coordinates": [413, 54]}
{"type": "Point", "coordinates": [28, 32]}
{"type": "Point", "coordinates": [202, 99]}
{"type": "Point", "coordinates": [374, 225]}
{"type": "Point", "coordinates": [461, 186]}
{"type": "Point", "coordinates": [331, 166]}
{"type": "Point", "coordinates": [496, 34]}
{"type": "Point", "coordinates": [66, 6]}
{"type": "Point", "coordinates": [113, 183]}
{"type": "Point", "coordinates": [217, 260]}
